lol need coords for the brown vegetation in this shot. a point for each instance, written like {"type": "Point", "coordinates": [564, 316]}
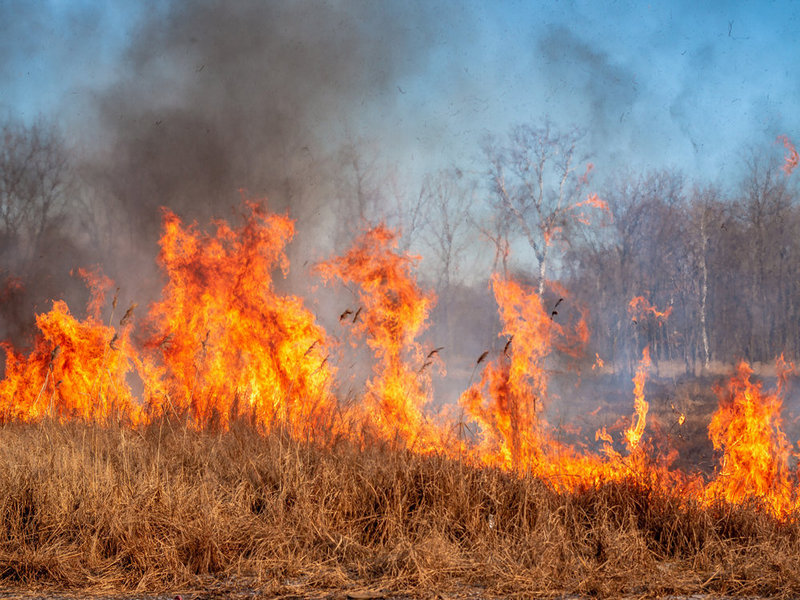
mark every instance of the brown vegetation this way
{"type": "Point", "coordinates": [166, 507]}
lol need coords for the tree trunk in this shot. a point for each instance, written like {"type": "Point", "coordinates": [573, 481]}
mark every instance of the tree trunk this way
{"type": "Point", "coordinates": [704, 292]}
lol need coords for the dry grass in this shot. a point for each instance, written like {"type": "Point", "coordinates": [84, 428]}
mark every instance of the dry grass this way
{"type": "Point", "coordinates": [167, 508]}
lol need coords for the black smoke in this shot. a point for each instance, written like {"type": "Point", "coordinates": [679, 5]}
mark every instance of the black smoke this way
{"type": "Point", "coordinates": [216, 96]}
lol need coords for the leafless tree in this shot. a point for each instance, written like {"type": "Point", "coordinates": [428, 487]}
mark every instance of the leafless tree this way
{"type": "Point", "coordinates": [35, 174]}
{"type": "Point", "coordinates": [496, 227]}
{"type": "Point", "coordinates": [357, 190]}
{"type": "Point", "coordinates": [537, 178]}
{"type": "Point", "coordinates": [765, 209]}
{"type": "Point", "coordinates": [36, 180]}
{"type": "Point", "coordinates": [441, 215]}
{"type": "Point", "coordinates": [447, 198]}
{"type": "Point", "coordinates": [705, 217]}
{"type": "Point", "coordinates": [371, 192]}
{"type": "Point", "coordinates": [640, 253]}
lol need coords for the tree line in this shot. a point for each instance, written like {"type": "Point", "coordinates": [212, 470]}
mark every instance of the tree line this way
{"type": "Point", "coordinates": [722, 261]}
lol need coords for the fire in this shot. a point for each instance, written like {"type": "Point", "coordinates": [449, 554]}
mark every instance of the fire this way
{"type": "Point", "coordinates": [635, 431]}
{"type": "Point", "coordinates": [584, 179]}
{"type": "Point", "coordinates": [77, 369]}
{"type": "Point", "coordinates": [792, 158]}
{"type": "Point", "coordinates": [224, 344]}
{"type": "Point", "coordinates": [394, 312]}
{"type": "Point", "coordinates": [506, 404]}
{"type": "Point", "coordinates": [639, 308]}
{"type": "Point", "coordinates": [747, 429]}
{"type": "Point", "coordinates": [592, 201]}
{"type": "Point", "coordinates": [509, 397]}
{"type": "Point", "coordinates": [577, 210]}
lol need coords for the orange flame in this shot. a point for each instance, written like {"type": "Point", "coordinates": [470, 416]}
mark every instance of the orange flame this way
{"type": "Point", "coordinates": [639, 308]}
{"type": "Point", "coordinates": [77, 369]}
{"type": "Point", "coordinates": [507, 400]}
{"type": "Point", "coordinates": [394, 313]}
{"type": "Point", "coordinates": [224, 343]}
{"type": "Point", "coordinates": [792, 158]}
{"type": "Point", "coordinates": [584, 179]}
{"type": "Point", "coordinates": [592, 201]}
{"type": "Point", "coordinates": [747, 428]}
{"type": "Point", "coordinates": [575, 211]}
{"type": "Point", "coordinates": [640, 405]}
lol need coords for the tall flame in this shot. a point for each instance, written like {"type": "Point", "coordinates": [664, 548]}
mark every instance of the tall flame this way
{"type": "Point", "coordinates": [747, 428]}
{"type": "Point", "coordinates": [792, 158]}
{"type": "Point", "coordinates": [224, 343]}
{"type": "Point", "coordinates": [393, 313]}
{"type": "Point", "coordinates": [634, 433]}
{"type": "Point", "coordinates": [506, 402]}
{"type": "Point", "coordinates": [77, 369]}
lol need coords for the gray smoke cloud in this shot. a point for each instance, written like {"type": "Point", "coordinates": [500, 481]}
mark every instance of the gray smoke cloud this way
{"type": "Point", "coordinates": [600, 91]}
{"type": "Point", "coordinates": [216, 100]}
{"type": "Point", "coordinates": [214, 97]}
{"type": "Point", "coordinates": [193, 105]}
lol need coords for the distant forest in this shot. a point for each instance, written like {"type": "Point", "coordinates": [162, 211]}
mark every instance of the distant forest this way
{"type": "Point", "coordinates": [723, 261]}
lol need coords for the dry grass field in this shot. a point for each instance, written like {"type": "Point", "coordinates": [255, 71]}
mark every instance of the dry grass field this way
{"type": "Point", "coordinates": [166, 508]}
{"type": "Point", "coordinates": [215, 448]}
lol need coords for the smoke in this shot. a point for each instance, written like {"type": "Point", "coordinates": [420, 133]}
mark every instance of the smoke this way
{"type": "Point", "coordinates": [691, 95]}
{"type": "Point", "coordinates": [193, 105]}
{"type": "Point", "coordinates": [190, 102]}
{"type": "Point", "coordinates": [214, 100]}
{"type": "Point", "coordinates": [214, 97]}
{"type": "Point", "coordinates": [600, 90]}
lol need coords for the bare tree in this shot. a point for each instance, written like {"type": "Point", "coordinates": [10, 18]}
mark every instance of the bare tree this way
{"type": "Point", "coordinates": [34, 176]}
{"type": "Point", "coordinates": [35, 245]}
{"type": "Point", "coordinates": [403, 210]}
{"type": "Point", "coordinates": [641, 253]}
{"type": "Point", "coordinates": [764, 208]}
{"type": "Point", "coordinates": [534, 182]}
{"type": "Point", "coordinates": [358, 190]}
{"type": "Point", "coordinates": [371, 192]}
{"type": "Point", "coordinates": [446, 198]}
{"type": "Point", "coordinates": [496, 227]}
{"type": "Point", "coordinates": [705, 217]}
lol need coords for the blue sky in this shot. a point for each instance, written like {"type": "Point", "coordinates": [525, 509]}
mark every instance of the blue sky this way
{"type": "Point", "coordinates": [681, 84]}
{"type": "Point", "coordinates": [684, 84]}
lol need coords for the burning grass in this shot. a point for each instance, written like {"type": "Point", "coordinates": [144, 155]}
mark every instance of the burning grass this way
{"type": "Point", "coordinates": [240, 462]}
{"type": "Point", "coordinates": [166, 507]}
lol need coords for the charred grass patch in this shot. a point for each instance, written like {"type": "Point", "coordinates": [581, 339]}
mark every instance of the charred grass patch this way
{"type": "Point", "coordinates": [166, 507]}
